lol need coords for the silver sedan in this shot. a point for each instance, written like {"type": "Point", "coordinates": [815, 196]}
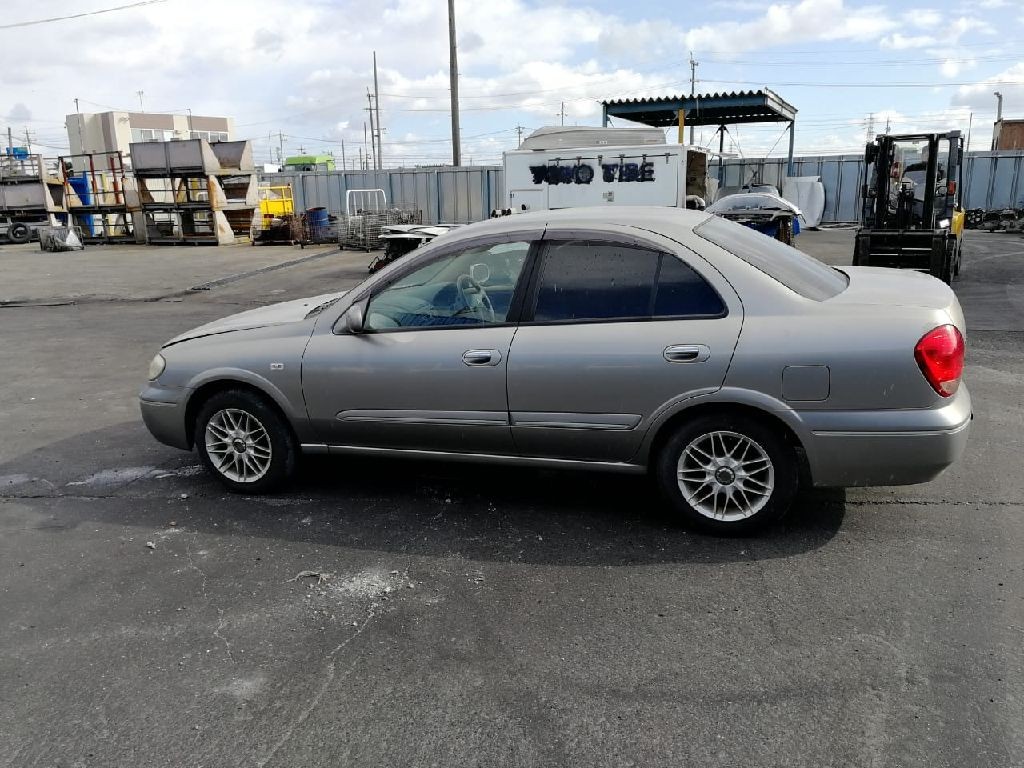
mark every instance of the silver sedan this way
{"type": "Point", "coordinates": [728, 366]}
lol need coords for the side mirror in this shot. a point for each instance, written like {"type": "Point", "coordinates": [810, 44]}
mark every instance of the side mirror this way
{"type": "Point", "coordinates": [355, 319]}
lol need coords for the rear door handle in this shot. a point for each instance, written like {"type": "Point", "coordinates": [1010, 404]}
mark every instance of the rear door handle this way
{"type": "Point", "coordinates": [687, 353]}
{"type": "Point", "coordinates": [481, 357]}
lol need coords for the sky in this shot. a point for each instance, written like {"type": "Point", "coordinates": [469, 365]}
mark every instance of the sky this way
{"type": "Point", "coordinates": [296, 72]}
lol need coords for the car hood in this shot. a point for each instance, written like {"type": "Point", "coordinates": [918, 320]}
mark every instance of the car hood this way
{"type": "Point", "coordinates": [274, 314]}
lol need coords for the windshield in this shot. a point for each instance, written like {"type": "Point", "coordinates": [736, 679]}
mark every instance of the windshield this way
{"type": "Point", "coordinates": [794, 269]}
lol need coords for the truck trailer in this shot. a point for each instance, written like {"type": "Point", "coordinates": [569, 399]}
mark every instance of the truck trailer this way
{"type": "Point", "coordinates": [573, 167]}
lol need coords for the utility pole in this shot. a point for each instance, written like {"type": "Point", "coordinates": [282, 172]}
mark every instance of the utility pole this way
{"type": "Point", "coordinates": [693, 86]}
{"type": "Point", "coordinates": [453, 73]}
{"type": "Point", "coordinates": [519, 136]}
{"type": "Point", "coordinates": [366, 151]}
{"type": "Point", "coordinates": [28, 141]}
{"type": "Point", "coordinates": [280, 148]}
{"type": "Point", "coordinates": [142, 107]}
{"type": "Point", "coordinates": [871, 128]}
{"type": "Point", "coordinates": [344, 165]}
{"type": "Point", "coordinates": [373, 131]}
{"type": "Point", "coordinates": [999, 119]}
{"type": "Point", "coordinates": [10, 142]}
{"type": "Point", "coordinates": [888, 123]}
{"type": "Point", "coordinates": [376, 101]}
{"type": "Point", "coordinates": [362, 167]}
{"type": "Point", "coordinates": [970, 123]}
{"type": "Point", "coordinates": [562, 113]}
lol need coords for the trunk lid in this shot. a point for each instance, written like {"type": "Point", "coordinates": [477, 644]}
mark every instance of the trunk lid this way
{"type": "Point", "coordinates": [883, 286]}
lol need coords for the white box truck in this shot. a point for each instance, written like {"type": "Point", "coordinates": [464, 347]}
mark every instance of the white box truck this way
{"type": "Point", "coordinates": [572, 167]}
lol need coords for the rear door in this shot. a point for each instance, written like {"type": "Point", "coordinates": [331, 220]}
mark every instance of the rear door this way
{"type": "Point", "coordinates": [614, 329]}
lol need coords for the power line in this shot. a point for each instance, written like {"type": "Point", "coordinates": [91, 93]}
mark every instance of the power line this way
{"type": "Point", "coordinates": [862, 84]}
{"type": "Point", "coordinates": [80, 15]}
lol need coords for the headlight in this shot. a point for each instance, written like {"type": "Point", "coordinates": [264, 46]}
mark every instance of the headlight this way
{"type": "Point", "coordinates": [943, 223]}
{"type": "Point", "coordinates": [156, 367]}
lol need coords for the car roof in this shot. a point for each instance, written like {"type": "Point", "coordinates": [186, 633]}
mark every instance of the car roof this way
{"type": "Point", "coordinates": [674, 222]}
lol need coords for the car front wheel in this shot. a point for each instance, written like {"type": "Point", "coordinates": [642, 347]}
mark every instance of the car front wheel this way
{"type": "Point", "coordinates": [244, 442]}
{"type": "Point", "coordinates": [728, 474]}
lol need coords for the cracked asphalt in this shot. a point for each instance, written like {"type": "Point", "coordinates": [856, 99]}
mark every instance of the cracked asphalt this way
{"type": "Point", "coordinates": [403, 614]}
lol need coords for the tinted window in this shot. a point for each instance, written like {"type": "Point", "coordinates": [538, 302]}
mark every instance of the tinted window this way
{"type": "Point", "coordinates": [794, 269]}
{"type": "Point", "coordinates": [682, 292]}
{"type": "Point", "coordinates": [595, 281]}
{"type": "Point", "coordinates": [583, 280]}
{"type": "Point", "coordinates": [472, 287]}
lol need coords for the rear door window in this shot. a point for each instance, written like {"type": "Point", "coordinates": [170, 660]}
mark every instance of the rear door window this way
{"type": "Point", "coordinates": [583, 281]}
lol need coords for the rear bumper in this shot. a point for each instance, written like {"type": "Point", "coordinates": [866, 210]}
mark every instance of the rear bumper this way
{"type": "Point", "coordinates": [901, 447]}
{"type": "Point", "coordinates": [163, 412]}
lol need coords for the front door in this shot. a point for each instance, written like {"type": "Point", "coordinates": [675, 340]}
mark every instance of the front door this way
{"type": "Point", "coordinates": [428, 372]}
{"type": "Point", "coordinates": [612, 332]}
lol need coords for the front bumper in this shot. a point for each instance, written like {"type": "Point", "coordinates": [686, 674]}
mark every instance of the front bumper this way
{"type": "Point", "coordinates": [899, 447]}
{"type": "Point", "coordinates": [163, 412]}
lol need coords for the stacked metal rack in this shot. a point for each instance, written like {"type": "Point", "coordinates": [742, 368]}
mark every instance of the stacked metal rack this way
{"type": "Point", "coordinates": [95, 196]}
{"type": "Point", "coordinates": [366, 213]}
{"type": "Point", "coordinates": [193, 192]}
{"type": "Point", "coordinates": [31, 196]}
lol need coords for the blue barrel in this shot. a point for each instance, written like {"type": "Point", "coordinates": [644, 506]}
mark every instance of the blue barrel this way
{"type": "Point", "coordinates": [317, 222]}
{"type": "Point", "coordinates": [80, 186]}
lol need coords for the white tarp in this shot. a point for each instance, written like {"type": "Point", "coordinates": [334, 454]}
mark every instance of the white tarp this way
{"type": "Point", "coordinates": [808, 194]}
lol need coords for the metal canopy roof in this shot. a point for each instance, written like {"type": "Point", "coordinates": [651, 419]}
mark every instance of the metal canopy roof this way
{"type": "Point", "coordinates": [762, 106]}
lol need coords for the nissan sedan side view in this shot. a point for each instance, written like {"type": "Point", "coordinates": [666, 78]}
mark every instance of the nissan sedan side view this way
{"type": "Point", "coordinates": [728, 366]}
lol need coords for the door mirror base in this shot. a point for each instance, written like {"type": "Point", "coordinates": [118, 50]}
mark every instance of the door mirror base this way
{"type": "Point", "coordinates": [355, 318]}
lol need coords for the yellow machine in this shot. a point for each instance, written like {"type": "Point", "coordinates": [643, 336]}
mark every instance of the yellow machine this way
{"type": "Point", "coordinates": [913, 215]}
{"type": "Point", "coordinates": [276, 201]}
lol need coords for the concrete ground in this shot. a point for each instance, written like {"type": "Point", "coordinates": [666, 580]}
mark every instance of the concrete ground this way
{"type": "Point", "coordinates": [473, 616]}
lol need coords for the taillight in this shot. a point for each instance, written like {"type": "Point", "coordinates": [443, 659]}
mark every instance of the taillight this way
{"type": "Point", "coordinates": [940, 354]}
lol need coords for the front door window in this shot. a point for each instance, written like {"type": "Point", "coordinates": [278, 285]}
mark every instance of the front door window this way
{"type": "Point", "coordinates": [467, 288]}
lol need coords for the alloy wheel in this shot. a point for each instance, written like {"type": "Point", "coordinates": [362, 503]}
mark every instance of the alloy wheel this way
{"type": "Point", "coordinates": [238, 445]}
{"type": "Point", "coordinates": [725, 476]}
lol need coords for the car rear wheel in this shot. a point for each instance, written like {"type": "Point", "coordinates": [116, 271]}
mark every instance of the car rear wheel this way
{"type": "Point", "coordinates": [727, 474]}
{"type": "Point", "coordinates": [244, 442]}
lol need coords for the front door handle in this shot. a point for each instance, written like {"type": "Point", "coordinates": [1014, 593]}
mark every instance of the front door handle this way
{"type": "Point", "coordinates": [687, 353]}
{"type": "Point", "coordinates": [481, 357]}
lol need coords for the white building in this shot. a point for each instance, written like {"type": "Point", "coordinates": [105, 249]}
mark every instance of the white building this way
{"type": "Point", "coordinates": [115, 131]}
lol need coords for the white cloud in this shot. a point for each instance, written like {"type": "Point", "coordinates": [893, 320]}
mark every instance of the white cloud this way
{"type": "Point", "coordinates": [899, 42]}
{"type": "Point", "coordinates": [924, 18]}
{"type": "Point", "coordinates": [793, 22]}
{"type": "Point", "coordinates": [308, 77]}
{"type": "Point", "coordinates": [1009, 82]}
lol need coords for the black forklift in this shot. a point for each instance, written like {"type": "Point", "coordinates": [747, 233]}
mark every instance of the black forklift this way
{"type": "Point", "coordinates": [911, 215]}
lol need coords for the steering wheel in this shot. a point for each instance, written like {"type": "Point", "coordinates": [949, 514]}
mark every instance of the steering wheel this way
{"type": "Point", "coordinates": [475, 299]}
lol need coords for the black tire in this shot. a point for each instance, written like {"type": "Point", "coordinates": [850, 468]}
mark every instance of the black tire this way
{"type": "Point", "coordinates": [19, 233]}
{"type": "Point", "coordinates": [782, 475]}
{"type": "Point", "coordinates": [283, 447]}
{"type": "Point", "coordinates": [949, 262]}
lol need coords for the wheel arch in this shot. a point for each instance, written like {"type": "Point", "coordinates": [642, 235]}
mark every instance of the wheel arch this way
{"type": "Point", "coordinates": [781, 420]}
{"type": "Point", "coordinates": [210, 387]}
